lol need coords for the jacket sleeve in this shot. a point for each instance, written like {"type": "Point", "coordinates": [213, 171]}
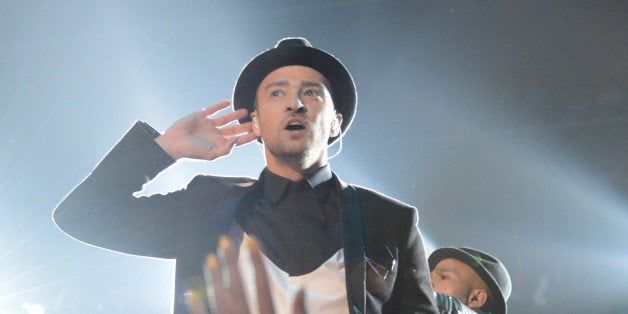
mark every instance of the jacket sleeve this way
{"type": "Point", "coordinates": [416, 294]}
{"type": "Point", "coordinates": [393, 224]}
{"type": "Point", "coordinates": [102, 210]}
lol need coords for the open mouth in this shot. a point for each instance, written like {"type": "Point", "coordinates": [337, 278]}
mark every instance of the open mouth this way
{"type": "Point", "coordinates": [295, 126]}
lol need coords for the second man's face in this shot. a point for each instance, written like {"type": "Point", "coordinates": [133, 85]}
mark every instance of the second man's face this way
{"type": "Point", "coordinates": [453, 278]}
{"type": "Point", "coordinates": [295, 113]}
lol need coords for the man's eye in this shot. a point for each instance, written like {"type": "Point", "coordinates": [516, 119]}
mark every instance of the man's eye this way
{"type": "Point", "coordinates": [312, 92]}
{"type": "Point", "coordinates": [276, 93]}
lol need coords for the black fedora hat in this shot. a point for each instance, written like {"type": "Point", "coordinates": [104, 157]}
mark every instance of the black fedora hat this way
{"type": "Point", "coordinates": [490, 269]}
{"type": "Point", "coordinates": [298, 51]}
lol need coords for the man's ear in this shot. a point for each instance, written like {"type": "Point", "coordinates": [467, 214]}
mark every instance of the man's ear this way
{"type": "Point", "coordinates": [477, 298]}
{"type": "Point", "coordinates": [335, 125]}
{"type": "Point", "coordinates": [254, 119]}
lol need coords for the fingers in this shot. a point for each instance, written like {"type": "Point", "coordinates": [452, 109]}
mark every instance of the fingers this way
{"type": "Point", "coordinates": [225, 118]}
{"type": "Point", "coordinates": [225, 285]}
{"type": "Point", "coordinates": [243, 132]}
{"type": "Point", "coordinates": [232, 130]}
{"type": "Point", "coordinates": [209, 111]}
{"type": "Point", "coordinates": [194, 303]}
{"type": "Point", "coordinates": [261, 281]}
{"type": "Point", "coordinates": [221, 142]}
{"type": "Point", "coordinates": [216, 288]}
{"type": "Point", "coordinates": [246, 138]}
{"type": "Point", "coordinates": [203, 136]}
{"type": "Point", "coordinates": [236, 299]}
{"type": "Point", "coordinates": [230, 116]}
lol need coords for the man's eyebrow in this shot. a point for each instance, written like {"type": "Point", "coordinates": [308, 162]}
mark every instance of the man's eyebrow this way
{"type": "Point", "coordinates": [286, 83]}
{"type": "Point", "coordinates": [445, 269]}
{"type": "Point", "coordinates": [310, 84]}
{"type": "Point", "coordinates": [276, 83]}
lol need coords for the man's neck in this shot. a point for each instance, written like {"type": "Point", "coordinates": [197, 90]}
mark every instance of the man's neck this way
{"type": "Point", "coordinates": [294, 169]}
{"type": "Point", "coordinates": [293, 173]}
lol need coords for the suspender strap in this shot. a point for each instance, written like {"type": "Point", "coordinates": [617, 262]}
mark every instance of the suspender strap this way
{"type": "Point", "coordinates": [353, 232]}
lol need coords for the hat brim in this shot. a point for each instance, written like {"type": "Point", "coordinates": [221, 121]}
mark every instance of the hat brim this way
{"type": "Point", "coordinates": [342, 87]}
{"type": "Point", "coordinates": [499, 303]}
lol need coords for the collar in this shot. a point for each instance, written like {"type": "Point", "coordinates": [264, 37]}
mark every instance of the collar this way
{"type": "Point", "coordinates": [274, 185]}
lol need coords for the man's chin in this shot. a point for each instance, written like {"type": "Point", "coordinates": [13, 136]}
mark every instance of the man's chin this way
{"type": "Point", "coordinates": [294, 149]}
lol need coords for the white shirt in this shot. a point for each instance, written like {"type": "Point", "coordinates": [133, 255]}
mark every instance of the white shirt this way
{"type": "Point", "coordinates": [325, 289]}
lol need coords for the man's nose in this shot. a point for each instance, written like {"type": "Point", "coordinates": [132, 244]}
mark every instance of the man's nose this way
{"type": "Point", "coordinates": [297, 106]}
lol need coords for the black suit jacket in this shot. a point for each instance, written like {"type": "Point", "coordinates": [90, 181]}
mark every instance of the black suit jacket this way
{"type": "Point", "coordinates": [184, 225]}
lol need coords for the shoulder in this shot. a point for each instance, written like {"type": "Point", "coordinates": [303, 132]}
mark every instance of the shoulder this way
{"type": "Point", "coordinates": [205, 191]}
{"type": "Point", "coordinates": [384, 211]}
{"type": "Point", "coordinates": [204, 181]}
{"type": "Point", "coordinates": [371, 198]}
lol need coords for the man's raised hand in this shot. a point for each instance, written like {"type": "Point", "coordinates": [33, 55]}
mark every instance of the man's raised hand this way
{"type": "Point", "coordinates": [200, 135]}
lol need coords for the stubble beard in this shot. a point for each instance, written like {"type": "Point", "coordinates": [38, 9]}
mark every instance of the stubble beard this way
{"type": "Point", "coordinates": [302, 155]}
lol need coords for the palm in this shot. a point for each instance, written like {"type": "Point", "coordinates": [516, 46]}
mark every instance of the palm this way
{"type": "Point", "coordinates": [199, 135]}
